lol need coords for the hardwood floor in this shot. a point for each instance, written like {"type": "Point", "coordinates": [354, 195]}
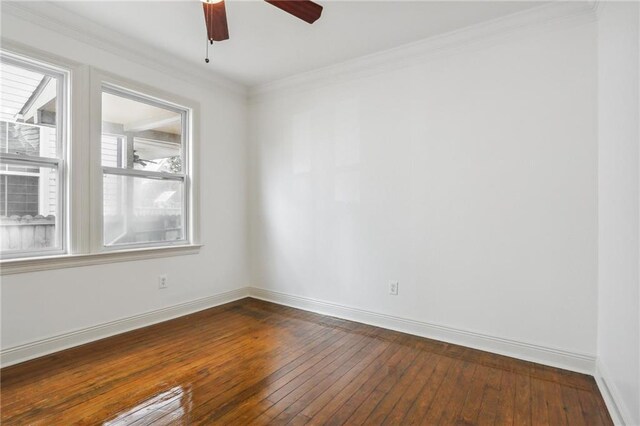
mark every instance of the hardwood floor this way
{"type": "Point", "coordinates": [252, 362]}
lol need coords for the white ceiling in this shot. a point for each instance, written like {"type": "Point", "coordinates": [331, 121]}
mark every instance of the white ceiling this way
{"type": "Point", "coordinates": [267, 44]}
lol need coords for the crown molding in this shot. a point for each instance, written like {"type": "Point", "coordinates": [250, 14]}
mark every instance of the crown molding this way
{"type": "Point", "coordinates": [556, 15]}
{"type": "Point", "coordinates": [61, 21]}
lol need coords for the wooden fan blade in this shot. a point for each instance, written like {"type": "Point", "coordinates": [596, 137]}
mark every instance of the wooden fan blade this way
{"type": "Point", "coordinates": [215, 17]}
{"type": "Point", "coordinates": [306, 10]}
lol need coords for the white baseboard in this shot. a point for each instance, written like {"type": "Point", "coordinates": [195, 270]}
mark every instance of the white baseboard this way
{"type": "Point", "coordinates": [581, 363]}
{"type": "Point", "coordinates": [63, 341]}
{"type": "Point", "coordinates": [544, 355]}
{"type": "Point", "coordinates": [617, 409]}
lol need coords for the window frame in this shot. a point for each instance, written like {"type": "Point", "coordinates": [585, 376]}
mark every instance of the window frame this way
{"type": "Point", "coordinates": [183, 177]}
{"type": "Point", "coordinates": [83, 171]}
{"type": "Point", "coordinates": [59, 163]}
{"type": "Point", "coordinates": [120, 86]}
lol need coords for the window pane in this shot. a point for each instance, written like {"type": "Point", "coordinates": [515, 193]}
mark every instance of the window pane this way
{"type": "Point", "coordinates": [140, 210]}
{"type": "Point", "coordinates": [139, 135]}
{"type": "Point", "coordinates": [31, 194]}
{"type": "Point", "coordinates": [28, 208]}
{"type": "Point", "coordinates": [28, 112]}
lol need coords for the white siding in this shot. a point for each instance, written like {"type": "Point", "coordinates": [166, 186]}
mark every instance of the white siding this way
{"type": "Point", "coordinates": [16, 87]}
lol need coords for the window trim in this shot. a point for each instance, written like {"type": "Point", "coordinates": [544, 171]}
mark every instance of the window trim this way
{"type": "Point", "coordinates": [81, 166]}
{"type": "Point", "coordinates": [60, 162]}
{"type": "Point", "coordinates": [103, 82]}
{"type": "Point", "coordinates": [45, 263]}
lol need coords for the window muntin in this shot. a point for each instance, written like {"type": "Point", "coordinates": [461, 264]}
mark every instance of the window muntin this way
{"type": "Point", "coordinates": [32, 169]}
{"type": "Point", "coordinates": [143, 153]}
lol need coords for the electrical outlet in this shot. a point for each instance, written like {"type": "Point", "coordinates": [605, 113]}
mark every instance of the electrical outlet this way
{"type": "Point", "coordinates": [393, 288]}
{"type": "Point", "coordinates": [163, 282]}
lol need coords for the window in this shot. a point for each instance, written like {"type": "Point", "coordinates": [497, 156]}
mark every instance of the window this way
{"type": "Point", "coordinates": [32, 152]}
{"type": "Point", "coordinates": [92, 165]}
{"type": "Point", "coordinates": [144, 170]}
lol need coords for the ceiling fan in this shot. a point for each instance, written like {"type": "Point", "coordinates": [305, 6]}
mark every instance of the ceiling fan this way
{"type": "Point", "coordinates": [141, 161]}
{"type": "Point", "coordinates": [215, 16]}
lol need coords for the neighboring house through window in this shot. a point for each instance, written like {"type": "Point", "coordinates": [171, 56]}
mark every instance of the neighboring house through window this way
{"type": "Point", "coordinates": [31, 157]}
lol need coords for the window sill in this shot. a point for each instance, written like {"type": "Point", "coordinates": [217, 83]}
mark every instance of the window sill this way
{"type": "Point", "coordinates": [18, 266]}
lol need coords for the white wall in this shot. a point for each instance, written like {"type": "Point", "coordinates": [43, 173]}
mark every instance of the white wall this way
{"type": "Point", "coordinates": [469, 178]}
{"type": "Point", "coordinates": [44, 304]}
{"type": "Point", "coordinates": [618, 206]}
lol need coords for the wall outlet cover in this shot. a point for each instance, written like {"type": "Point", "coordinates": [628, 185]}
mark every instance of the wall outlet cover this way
{"type": "Point", "coordinates": [163, 282]}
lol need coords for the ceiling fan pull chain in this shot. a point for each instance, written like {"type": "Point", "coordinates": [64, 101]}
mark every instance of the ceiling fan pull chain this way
{"type": "Point", "coordinates": [206, 59]}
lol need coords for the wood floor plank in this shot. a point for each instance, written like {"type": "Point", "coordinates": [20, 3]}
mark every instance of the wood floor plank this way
{"type": "Point", "coordinates": [357, 398]}
{"type": "Point", "coordinates": [78, 392]}
{"type": "Point", "coordinates": [225, 364]}
{"type": "Point", "coordinates": [87, 359]}
{"type": "Point", "coordinates": [593, 413]}
{"type": "Point", "coordinates": [413, 389]}
{"type": "Point", "coordinates": [215, 392]}
{"type": "Point", "coordinates": [571, 406]}
{"type": "Point", "coordinates": [429, 390]}
{"type": "Point", "coordinates": [254, 362]}
{"type": "Point", "coordinates": [286, 397]}
{"type": "Point", "coordinates": [471, 408]}
{"type": "Point", "coordinates": [458, 395]}
{"type": "Point", "coordinates": [275, 391]}
{"type": "Point", "coordinates": [254, 398]}
{"type": "Point", "coordinates": [225, 391]}
{"type": "Point", "coordinates": [522, 414]}
{"type": "Point", "coordinates": [364, 356]}
{"type": "Point", "coordinates": [539, 402]}
{"type": "Point", "coordinates": [490, 397]}
{"type": "Point", "coordinates": [457, 373]}
{"type": "Point", "coordinates": [44, 368]}
{"type": "Point", "coordinates": [325, 411]}
{"type": "Point", "coordinates": [253, 388]}
{"type": "Point", "coordinates": [325, 406]}
{"type": "Point", "coordinates": [392, 376]}
{"type": "Point", "coordinates": [555, 407]}
{"type": "Point", "coordinates": [507, 399]}
{"type": "Point", "coordinates": [389, 401]}
{"type": "Point", "coordinates": [79, 403]}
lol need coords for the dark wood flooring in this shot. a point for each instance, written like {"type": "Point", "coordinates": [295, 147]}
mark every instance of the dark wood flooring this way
{"type": "Point", "coordinates": [252, 362]}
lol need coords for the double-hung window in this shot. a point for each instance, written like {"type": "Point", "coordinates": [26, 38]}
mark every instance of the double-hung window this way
{"type": "Point", "coordinates": [33, 126]}
{"type": "Point", "coordinates": [144, 170]}
{"type": "Point", "coordinates": [105, 169]}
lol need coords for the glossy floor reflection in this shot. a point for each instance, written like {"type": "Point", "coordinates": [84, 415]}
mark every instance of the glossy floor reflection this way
{"type": "Point", "coordinates": [165, 408]}
{"type": "Point", "coordinates": [252, 362]}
